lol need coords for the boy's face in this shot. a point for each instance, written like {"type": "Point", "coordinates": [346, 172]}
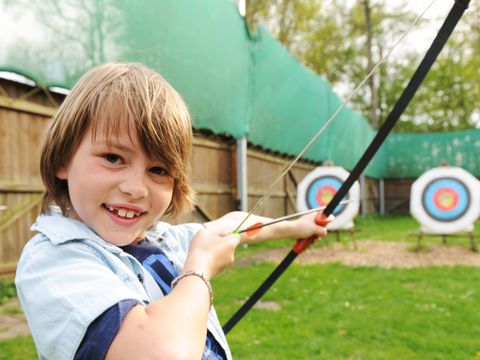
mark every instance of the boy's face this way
{"type": "Point", "coordinates": [116, 189]}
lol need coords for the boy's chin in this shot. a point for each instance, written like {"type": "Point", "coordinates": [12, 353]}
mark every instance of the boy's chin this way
{"type": "Point", "coordinates": [122, 240]}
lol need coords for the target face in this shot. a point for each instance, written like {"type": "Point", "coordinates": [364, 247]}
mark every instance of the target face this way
{"type": "Point", "coordinates": [320, 186]}
{"type": "Point", "coordinates": [442, 200]}
{"type": "Point", "coordinates": [321, 190]}
{"type": "Point", "coordinates": [446, 199]}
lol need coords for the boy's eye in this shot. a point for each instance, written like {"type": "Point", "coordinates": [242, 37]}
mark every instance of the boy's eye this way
{"type": "Point", "coordinates": [157, 170]}
{"type": "Point", "coordinates": [112, 158]}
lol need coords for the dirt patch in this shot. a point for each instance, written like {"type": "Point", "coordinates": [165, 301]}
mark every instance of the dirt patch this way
{"type": "Point", "coordinates": [12, 320]}
{"type": "Point", "coordinates": [265, 305]}
{"type": "Point", "coordinates": [375, 253]}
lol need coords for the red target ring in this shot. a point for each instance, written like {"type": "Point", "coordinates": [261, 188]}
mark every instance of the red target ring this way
{"type": "Point", "coordinates": [445, 198]}
{"type": "Point", "coordinates": [325, 194]}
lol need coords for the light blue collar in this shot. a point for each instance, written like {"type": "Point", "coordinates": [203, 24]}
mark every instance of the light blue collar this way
{"type": "Point", "coordinates": [60, 229]}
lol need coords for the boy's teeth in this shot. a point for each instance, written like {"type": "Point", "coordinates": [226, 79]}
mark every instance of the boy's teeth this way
{"type": "Point", "coordinates": [125, 213]}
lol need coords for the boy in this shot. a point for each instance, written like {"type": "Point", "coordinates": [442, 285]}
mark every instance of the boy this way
{"type": "Point", "coordinates": [104, 278]}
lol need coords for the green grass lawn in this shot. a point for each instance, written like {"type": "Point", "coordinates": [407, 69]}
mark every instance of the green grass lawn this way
{"type": "Point", "coordinates": [401, 228]}
{"type": "Point", "coordinates": [382, 228]}
{"type": "Point", "coordinates": [338, 312]}
{"type": "Point", "coordinates": [18, 348]}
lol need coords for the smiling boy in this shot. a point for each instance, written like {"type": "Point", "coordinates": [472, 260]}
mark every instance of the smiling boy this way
{"type": "Point", "coordinates": [104, 277]}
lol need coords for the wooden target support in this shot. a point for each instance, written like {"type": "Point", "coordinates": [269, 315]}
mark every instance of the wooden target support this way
{"type": "Point", "coordinates": [445, 201]}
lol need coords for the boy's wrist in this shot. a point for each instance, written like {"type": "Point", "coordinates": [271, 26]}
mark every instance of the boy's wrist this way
{"type": "Point", "coordinates": [198, 274]}
{"type": "Point", "coordinates": [288, 230]}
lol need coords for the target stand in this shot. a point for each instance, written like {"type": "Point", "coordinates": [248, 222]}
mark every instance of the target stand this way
{"type": "Point", "coordinates": [318, 188]}
{"type": "Point", "coordinates": [445, 201]}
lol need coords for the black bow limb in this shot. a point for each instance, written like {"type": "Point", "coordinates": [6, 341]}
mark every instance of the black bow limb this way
{"type": "Point", "coordinates": [437, 45]}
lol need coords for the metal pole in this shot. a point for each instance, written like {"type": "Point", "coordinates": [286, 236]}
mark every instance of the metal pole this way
{"type": "Point", "coordinates": [381, 195]}
{"type": "Point", "coordinates": [363, 193]}
{"type": "Point", "coordinates": [242, 185]}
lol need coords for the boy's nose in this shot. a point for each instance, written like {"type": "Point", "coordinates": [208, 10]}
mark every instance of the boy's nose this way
{"type": "Point", "coordinates": [134, 185]}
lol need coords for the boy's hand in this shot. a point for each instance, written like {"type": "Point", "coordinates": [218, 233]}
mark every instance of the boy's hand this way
{"type": "Point", "coordinates": [303, 243]}
{"type": "Point", "coordinates": [309, 225]}
{"type": "Point", "coordinates": [211, 253]}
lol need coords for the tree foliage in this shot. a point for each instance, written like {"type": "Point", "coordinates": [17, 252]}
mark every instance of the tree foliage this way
{"type": "Point", "coordinates": [342, 41]}
{"type": "Point", "coordinates": [78, 33]}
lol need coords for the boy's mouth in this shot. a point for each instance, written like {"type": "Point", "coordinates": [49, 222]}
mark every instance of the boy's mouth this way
{"type": "Point", "coordinates": [122, 212]}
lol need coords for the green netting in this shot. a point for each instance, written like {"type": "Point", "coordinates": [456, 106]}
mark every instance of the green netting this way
{"type": "Point", "coordinates": [202, 50]}
{"type": "Point", "coordinates": [291, 102]}
{"type": "Point", "coordinates": [200, 47]}
{"type": "Point", "coordinates": [286, 99]}
{"type": "Point", "coordinates": [233, 83]}
{"type": "Point", "coordinates": [409, 155]}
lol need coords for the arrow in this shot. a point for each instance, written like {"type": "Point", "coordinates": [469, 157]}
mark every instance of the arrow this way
{"type": "Point", "coordinates": [260, 225]}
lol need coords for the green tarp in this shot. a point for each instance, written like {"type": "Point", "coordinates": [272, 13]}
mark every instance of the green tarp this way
{"type": "Point", "coordinates": [234, 82]}
{"type": "Point", "coordinates": [409, 155]}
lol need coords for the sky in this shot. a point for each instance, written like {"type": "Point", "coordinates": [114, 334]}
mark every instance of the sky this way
{"type": "Point", "coordinates": [437, 13]}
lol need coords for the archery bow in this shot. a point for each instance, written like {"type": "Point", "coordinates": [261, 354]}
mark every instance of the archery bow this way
{"type": "Point", "coordinates": [437, 45]}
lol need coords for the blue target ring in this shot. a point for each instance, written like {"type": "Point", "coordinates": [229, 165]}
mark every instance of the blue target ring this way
{"type": "Point", "coordinates": [321, 190]}
{"type": "Point", "coordinates": [446, 199]}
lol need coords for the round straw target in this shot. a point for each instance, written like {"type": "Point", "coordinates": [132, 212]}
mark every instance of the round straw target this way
{"type": "Point", "coordinates": [443, 200]}
{"type": "Point", "coordinates": [446, 199]}
{"type": "Point", "coordinates": [321, 190]}
{"type": "Point", "coordinates": [319, 186]}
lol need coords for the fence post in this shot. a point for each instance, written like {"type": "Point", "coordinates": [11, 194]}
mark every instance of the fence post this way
{"type": "Point", "coordinates": [242, 185]}
{"type": "Point", "coordinates": [363, 195]}
{"type": "Point", "coordinates": [381, 195]}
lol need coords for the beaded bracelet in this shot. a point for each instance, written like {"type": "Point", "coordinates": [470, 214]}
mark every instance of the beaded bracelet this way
{"type": "Point", "coordinates": [198, 274]}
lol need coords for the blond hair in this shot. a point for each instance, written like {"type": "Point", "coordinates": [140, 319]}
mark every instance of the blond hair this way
{"type": "Point", "coordinates": [106, 98]}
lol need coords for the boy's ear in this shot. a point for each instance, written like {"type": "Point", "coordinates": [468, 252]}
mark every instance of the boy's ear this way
{"type": "Point", "coordinates": [62, 173]}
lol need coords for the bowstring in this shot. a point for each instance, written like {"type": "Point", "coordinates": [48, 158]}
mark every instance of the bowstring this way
{"type": "Point", "coordinates": [332, 117]}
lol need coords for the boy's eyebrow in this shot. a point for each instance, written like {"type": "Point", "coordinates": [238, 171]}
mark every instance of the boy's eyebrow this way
{"type": "Point", "coordinates": [110, 144]}
{"type": "Point", "coordinates": [121, 147]}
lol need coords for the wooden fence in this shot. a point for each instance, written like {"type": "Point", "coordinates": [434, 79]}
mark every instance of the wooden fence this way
{"type": "Point", "coordinates": [24, 113]}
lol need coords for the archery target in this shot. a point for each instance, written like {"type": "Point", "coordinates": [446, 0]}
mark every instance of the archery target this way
{"type": "Point", "coordinates": [320, 186]}
{"type": "Point", "coordinates": [444, 200]}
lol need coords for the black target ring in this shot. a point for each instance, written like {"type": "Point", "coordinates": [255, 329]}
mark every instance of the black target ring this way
{"type": "Point", "coordinates": [321, 190]}
{"type": "Point", "coordinates": [446, 199]}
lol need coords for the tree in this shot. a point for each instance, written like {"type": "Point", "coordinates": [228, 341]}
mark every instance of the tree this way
{"type": "Point", "coordinates": [370, 64]}
{"type": "Point", "coordinates": [450, 98]}
{"type": "Point", "coordinates": [343, 42]}
{"type": "Point", "coordinates": [77, 35]}
{"type": "Point", "coordinates": [288, 20]}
